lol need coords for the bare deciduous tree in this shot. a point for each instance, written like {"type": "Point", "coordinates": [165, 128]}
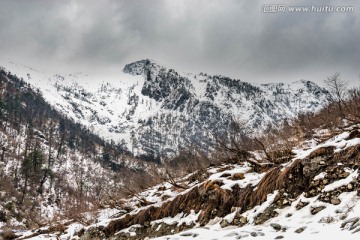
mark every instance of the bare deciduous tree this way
{"type": "Point", "coordinates": [338, 91]}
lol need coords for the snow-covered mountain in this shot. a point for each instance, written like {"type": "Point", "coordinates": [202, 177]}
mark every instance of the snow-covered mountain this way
{"type": "Point", "coordinates": [154, 111]}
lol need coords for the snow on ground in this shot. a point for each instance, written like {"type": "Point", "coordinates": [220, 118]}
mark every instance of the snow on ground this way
{"type": "Point", "coordinates": [252, 213]}
{"type": "Point", "coordinates": [324, 225]}
{"type": "Point", "coordinates": [91, 101]}
{"type": "Point", "coordinates": [319, 176]}
{"type": "Point", "coordinates": [251, 178]}
{"type": "Point", "coordinates": [342, 182]}
{"type": "Point", "coordinates": [340, 142]}
{"type": "Point", "coordinates": [295, 224]}
{"type": "Point", "coordinates": [302, 224]}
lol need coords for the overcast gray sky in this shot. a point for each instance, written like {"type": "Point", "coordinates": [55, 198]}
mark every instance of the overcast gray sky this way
{"type": "Point", "coordinates": [229, 37]}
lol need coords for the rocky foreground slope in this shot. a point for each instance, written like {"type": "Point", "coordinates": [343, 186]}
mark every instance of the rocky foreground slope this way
{"type": "Point", "coordinates": [315, 195]}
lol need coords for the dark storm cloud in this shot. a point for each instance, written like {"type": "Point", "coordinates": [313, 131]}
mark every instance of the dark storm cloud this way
{"type": "Point", "coordinates": [227, 37]}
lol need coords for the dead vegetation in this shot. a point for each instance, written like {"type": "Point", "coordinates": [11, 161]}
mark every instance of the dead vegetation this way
{"type": "Point", "coordinates": [213, 201]}
{"type": "Point", "coordinates": [354, 134]}
{"type": "Point", "coordinates": [323, 151]}
{"type": "Point", "coordinates": [7, 234]}
{"type": "Point", "coordinates": [351, 156]}
{"type": "Point", "coordinates": [275, 149]}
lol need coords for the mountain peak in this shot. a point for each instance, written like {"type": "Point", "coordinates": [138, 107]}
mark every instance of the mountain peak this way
{"type": "Point", "coordinates": [140, 67]}
{"type": "Point", "coordinates": [162, 108]}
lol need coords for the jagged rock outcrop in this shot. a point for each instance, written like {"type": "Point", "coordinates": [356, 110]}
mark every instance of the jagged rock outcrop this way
{"type": "Point", "coordinates": [215, 103]}
{"type": "Point", "coordinates": [154, 111]}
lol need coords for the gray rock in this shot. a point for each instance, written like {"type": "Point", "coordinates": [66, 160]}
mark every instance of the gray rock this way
{"type": "Point", "coordinates": [276, 226]}
{"type": "Point", "coordinates": [253, 234]}
{"type": "Point", "coordinates": [315, 210]}
{"type": "Point", "coordinates": [188, 234]}
{"type": "Point", "coordinates": [232, 234]}
{"type": "Point", "coordinates": [224, 223]}
{"type": "Point", "coordinates": [301, 204]}
{"type": "Point", "coordinates": [242, 236]}
{"type": "Point", "coordinates": [335, 201]}
{"type": "Point", "coordinates": [243, 220]}
{"type": "Point", "coordinates": [300, 230]}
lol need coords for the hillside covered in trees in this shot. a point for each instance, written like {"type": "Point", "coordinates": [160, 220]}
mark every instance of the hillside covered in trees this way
{"type": "Point", "coordinates": [51, 167]}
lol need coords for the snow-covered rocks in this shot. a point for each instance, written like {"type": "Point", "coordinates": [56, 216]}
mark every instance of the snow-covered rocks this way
{"type": "Point", "coordinates": [152, 110]}
{"type": "Point", "coordinates": [309, 205]}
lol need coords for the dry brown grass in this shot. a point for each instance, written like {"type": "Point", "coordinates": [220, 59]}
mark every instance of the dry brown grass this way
{"type": "Point", "coordinates": [206, 197]}
{"type": "Point", "coordinates": [7, 234]}
{"type": "Point", "coordinates": [324, 151]}
{"type": "Point", "coordinates": [243, 199]}
{"type": "Point", "coordinates": [237, 176]}
{"type": "Point", "coordinates": [282, 155]}
{"type": "Point", "coordinates": [353, 152]}
{"type": "Point", "coordinates": [349, 155]}
{"type": "Point", "coordinates": [268, 184]}
{"type": "Point", "coordinates": [353, 134]}
{"type": "Point", "coordinates": [211, 199]}
{"type": "Point", "coordinates": [182, 203]}
{"type": "Point", "coordinates": [275, 179]}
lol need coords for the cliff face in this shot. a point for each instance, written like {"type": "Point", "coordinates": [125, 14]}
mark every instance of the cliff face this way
{"type": "Point", "coordinates": [195, 106]}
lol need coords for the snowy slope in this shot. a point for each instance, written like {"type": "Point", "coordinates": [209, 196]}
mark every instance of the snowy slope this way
{"type": "Point", "coordinates": [154, 111]}
{"type": "Point", "coordinates": [329, 208]}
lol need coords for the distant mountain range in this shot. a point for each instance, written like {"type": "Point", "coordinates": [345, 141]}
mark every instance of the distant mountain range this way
{"type": "Point", "coordinates": [155, 111]}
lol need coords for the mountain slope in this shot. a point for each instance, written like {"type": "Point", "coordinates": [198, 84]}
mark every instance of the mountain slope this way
{"type": "Point", "coordinates": [51, 167]}
{"type": "Point", "coordinates": [154, 111]}
{"type": "Point", "coordinates": [315, 193]}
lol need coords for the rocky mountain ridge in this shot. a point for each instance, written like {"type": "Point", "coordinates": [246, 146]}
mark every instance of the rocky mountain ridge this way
{"type": "Point", "coordinates": [154, 111]}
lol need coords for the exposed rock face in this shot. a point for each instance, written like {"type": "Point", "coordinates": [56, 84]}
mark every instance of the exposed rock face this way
{"type": "Point", "coordinates": [154, 111]}
{"type": "Point", "coordinates": [215, 103]}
